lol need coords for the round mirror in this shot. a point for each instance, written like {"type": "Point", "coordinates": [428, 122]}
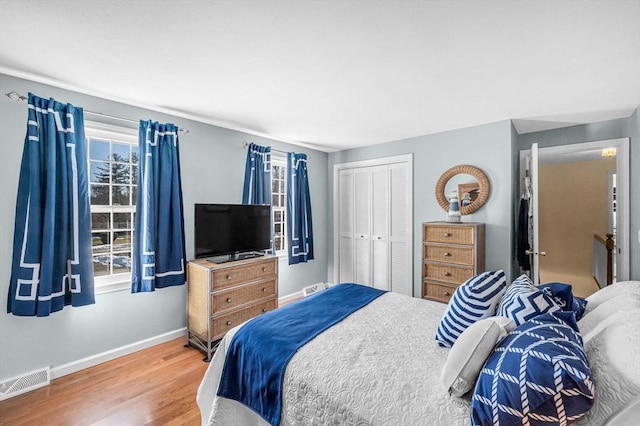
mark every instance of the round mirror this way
{"type": "Point", "coordinates": [471, 184]}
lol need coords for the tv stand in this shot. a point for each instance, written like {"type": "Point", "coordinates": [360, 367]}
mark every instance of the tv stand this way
{"type": "Point", "coordinates": [234, 257]}
{"type": "Point", "coordinates": [222, 296]}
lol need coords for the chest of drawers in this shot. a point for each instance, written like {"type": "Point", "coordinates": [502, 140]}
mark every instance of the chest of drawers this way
{"type": "Point", "coordinates": [221, 296]}
{"type": "Point", "coordinates": [451, 254]}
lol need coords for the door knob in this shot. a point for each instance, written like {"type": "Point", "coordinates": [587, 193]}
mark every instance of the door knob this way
{"type": "Point", "coordinates": [530, 252]}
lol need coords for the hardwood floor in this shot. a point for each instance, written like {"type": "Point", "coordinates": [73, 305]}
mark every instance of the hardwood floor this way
{"type": "Point", "coordinates": [156, 386]}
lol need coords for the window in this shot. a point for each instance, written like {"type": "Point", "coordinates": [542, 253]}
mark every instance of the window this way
{"type": "Point", "coordinates": [278, 203]}
{"type": "Point", "coordinates": [113, 181]}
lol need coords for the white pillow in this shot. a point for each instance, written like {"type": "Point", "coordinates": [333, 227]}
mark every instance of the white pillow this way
{"type": "Point", "coordinates": [604, 312]}
{"type": "Point", "coordinates": [618, 290]}
{"type": "Point", "coordinates": [470, 351]}
{"type": "Point", "coordinates": [613, 351]}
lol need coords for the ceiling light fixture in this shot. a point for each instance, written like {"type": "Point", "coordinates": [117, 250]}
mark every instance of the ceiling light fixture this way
{"type": "Point", "coordinates": [608, 152]}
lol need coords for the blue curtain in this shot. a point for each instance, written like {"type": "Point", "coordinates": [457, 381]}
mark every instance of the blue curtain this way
{"type": "Point", "coordinates": [158, 249]}
{"type": "Point", "coordinates": [257, 175]}
{"type": "Point", "coordinates": [52, 265]}
{"type": "Point", "coordinates": [299, 227]}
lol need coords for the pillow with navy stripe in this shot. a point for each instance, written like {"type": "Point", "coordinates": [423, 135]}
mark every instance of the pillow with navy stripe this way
{"type": "Point", "coordinates": [538, 375]}
{"type": "Point", "coordinates": [523, 301]}
{"type": "Point", "coordinates": [472, 301]}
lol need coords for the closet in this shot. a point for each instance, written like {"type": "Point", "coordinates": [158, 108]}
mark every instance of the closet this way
{"type": "Point", "coordinates": [373, 216]}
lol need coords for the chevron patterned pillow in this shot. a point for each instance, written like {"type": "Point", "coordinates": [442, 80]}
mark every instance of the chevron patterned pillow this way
{"type": "Point", "coordinates": [523, 301]}
{"type": "Point", "coordinates": [538, 375]}
{"type": "Point", "coordinates": [472, 301]}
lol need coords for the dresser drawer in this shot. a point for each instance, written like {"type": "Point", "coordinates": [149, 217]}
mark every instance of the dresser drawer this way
{"type": "Point", "coordinates": [447, 273]}
{"type": "Point", "coordinates": [224, 278]}
{"type": "Point", "coordinates": [220, 325]}
{"type": "Point", "coordinates": [449, 254]}
{"type": "Point", "coordinates": [449, 234]}
{"type": "Point", "coordinates": [438, 292]}
{"type": "Point", "coordinates": [239, 296]}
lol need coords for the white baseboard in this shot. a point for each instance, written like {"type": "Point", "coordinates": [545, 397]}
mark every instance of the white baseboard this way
{"type": "Point", "coordinates": [290, 297]}
{"type": "Point", "coordinates": [298, 294]}
{"type": "Point", "coordinates": [81, 364]}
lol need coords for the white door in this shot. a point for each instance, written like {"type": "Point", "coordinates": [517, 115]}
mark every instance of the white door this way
{"type": "Point", "coordinates": [380, 227]}
{"type": "Point", "coordinates": [345, 225]}
{"type": "Point", "coordinates": [535, 249]}
{"type": "Point", "coordinates": [362, 211]}
{"type": "Point", "coordinates": [400, 229]}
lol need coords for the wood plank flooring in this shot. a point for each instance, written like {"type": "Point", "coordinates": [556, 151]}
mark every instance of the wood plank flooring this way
{"type": "Point", "coordinates": [155, 386]}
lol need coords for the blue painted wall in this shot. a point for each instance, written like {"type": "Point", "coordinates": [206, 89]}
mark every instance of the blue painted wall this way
{"type": "Point", "coordinates": [212, 160]}
{"type": "Point", "coordinates": [489, 147]}
{"type": "Point", "coordinates": [212, 171]}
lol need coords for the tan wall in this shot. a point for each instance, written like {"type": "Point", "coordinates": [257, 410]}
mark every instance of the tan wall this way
{"type": "Point", "coordinates": [572, 206]}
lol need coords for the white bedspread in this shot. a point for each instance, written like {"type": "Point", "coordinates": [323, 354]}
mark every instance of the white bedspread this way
{"type": "Point", "coordinates": [381, 365]}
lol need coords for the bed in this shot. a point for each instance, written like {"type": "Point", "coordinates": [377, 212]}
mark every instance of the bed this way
{"type": "Point", "coordinates": [381, 365]}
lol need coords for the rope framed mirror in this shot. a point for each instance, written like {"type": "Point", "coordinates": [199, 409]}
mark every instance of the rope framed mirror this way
{"type": "Point", "coordinates": [481, 190]}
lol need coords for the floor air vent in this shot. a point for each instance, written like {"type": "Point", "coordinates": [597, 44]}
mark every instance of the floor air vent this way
{"type": "Point", "coordinates": [25, 383]}
{"type": "Point", "coordinates": [308, 291]}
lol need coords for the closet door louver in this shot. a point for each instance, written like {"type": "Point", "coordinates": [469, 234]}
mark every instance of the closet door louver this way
{"type": "Point", "coordinates": [362, 187]}
{"type": "Point", "coordinates": [346, 215]}
{"type": "Point", "coordinates": [400, 227]}
{"type": "Point", "coordinates": [380, 227]}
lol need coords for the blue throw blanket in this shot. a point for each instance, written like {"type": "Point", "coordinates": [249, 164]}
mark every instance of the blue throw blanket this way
{"type": "Point", "coordinates": [260, 351]}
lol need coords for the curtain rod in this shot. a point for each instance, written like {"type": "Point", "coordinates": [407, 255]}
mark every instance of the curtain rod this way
{"type": "Point", "coordinates": [245, 144]}
{"type": "Point", "coordinates": [17, 97]}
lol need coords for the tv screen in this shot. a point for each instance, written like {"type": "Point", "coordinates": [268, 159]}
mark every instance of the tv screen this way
{"type": "Point", "coordinates": [231, 229]}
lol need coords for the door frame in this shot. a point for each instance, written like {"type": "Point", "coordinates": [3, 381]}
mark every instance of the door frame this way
{"type": "Point", "coordinates": [622, 191]}
{"type": "Point", "coordinates": [405, 158]}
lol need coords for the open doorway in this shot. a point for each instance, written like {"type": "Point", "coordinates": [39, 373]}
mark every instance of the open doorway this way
{"type": "Point", "coordinates": [580, 206]}
{"type": "Point", "coordinates": [574, 212]}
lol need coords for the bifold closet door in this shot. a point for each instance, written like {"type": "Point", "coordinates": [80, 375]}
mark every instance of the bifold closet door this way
{"type": "Point", "coordinates": [373, 214]}
{"type": "Point", "coordinates": [362, 224]}
{"type": "Point", "coordinates": [346, 232]}
{"type": "Point", "coordinates": [399, 228]}
{"type": "Point", "coordinates": [380, 227]}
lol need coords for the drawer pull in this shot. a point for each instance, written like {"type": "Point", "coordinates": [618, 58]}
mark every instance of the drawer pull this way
{"type": "Point", "coordinates": [264, 310]}
{"type": "Point", "coordinates": [229, 300]}
{"type": "Point", "coordinates": [264, 289]}
{"type": "Point", "coordinates": [447, 274]}
{"type": "Point", "coordinates": [228, 322]}
{"type": "Point", "coordinates": [228, 277]}
{"type": "Point", "coordinates": [446, 293]}
{"type": "Point", "coordinates": [446, 234]}
{"type": "Point", "coordinates": [264, 269]}
{"type": "Point", "coordinates": [447, 254]}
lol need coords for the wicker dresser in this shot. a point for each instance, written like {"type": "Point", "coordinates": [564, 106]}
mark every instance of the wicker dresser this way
{"type": "Point", "coordinates": [221, 296]}
{"type": "Point", "coordinates": [451, 254]}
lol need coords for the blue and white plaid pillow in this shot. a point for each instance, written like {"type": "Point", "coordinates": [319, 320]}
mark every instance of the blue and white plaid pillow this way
{"type": "Point", "coordinates": [472, 301]}
{"type": "Point", "coordinates": [538, 375]}
{"type": "Point", "coordinates": [523, 301]}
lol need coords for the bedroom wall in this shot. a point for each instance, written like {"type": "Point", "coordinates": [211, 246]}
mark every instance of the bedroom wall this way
{"type": "Point", "coordinates": [488, 147]}
{"type": "Point", "coordinates": [212, 163]}
{"type": "Point", "coordinates": [610, 129]}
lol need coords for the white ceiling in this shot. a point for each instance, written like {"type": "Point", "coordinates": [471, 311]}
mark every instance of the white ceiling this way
{"type": "Point", "coordinates": [334, 75]}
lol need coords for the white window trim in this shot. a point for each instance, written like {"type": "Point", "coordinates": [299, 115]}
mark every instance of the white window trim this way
{"type": "Point", "coordinates": [115, 282]}
{"type": "Point", "coordinates": [281, 160]}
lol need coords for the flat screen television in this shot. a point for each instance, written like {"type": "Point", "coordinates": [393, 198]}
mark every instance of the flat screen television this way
{"type": "Point", "coordinates": [231, 231]}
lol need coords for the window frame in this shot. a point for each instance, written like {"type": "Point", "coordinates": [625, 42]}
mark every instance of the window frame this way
{"type": "Point", "coordinates": [279, 161]}
{"type": "Point", "coordinates": [94, 130]}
